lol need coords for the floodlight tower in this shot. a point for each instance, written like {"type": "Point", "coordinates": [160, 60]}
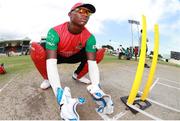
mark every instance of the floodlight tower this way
{"type": "Point", "coordinates": [136, 23]}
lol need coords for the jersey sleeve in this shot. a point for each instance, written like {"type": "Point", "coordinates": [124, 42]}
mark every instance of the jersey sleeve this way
{"type": "Point", "coordinates": [52, 40]}
{"type": "Point", "coordinates": [91, 44]}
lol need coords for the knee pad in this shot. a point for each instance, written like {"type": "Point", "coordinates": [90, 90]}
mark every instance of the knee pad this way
{"type": "Point", "coordinates": [99, 57]}
{"type": "Point", "coordinates": [38, 55]}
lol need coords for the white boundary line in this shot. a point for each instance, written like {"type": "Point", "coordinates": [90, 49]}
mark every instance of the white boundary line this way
{"type": "Point", "coordinates": [147, 75]}
{"type": "Point", "coordinates": [116, 117]}
{"type": "Point", "coordinates": [155, 82]}
{"type": "Point", "coordinates": [162, 105]}
{"type": "Point", "coordinates": [8, 83]}
{"type": "Point", "coordinates": [170, 80]}
{"type": "Point", "coordinates": [119, 115]}
{"type": "Point", "coordinates": [103, 116]}
{"type": "Point", "coordinates": [145, 113]}
{"type": "Point", "coordinates": [169, 86]}
{"type": "Point", "coordinates": [165, 106]}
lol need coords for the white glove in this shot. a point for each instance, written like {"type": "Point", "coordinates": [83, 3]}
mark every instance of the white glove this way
{"type": "Point", "coordinates": [69, 104]}
{"type": "Point", "coordinates": [104, 101]}
{"type": "Point", "coordinates": [105, 105]}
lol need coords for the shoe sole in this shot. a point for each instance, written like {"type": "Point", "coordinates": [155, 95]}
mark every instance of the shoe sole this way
{"type": "Point", "coordinates": [74, 78]}
{"type": "Point", "coordinates": [45, 88]}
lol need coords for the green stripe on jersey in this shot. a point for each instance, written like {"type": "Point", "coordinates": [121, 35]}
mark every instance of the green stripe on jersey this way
{"type": "Point", "coordinates": [52, 40]}
{"type": "Point", "coordinates": [91, 44]}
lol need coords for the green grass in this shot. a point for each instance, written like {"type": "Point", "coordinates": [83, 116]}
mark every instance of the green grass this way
{"type": "Point", "coordinates": [110, 58]}
{"type": "Point", "coordinates": [22, 64]}
{"type": "Point", "coordinates": [114, 59]}
{"type": "Point", "coordinates": [17, 64]}
{"type": "Point", "coordinates": [170, 64]}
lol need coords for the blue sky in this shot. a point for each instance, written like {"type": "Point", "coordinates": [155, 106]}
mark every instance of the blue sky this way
{"type": "Point", "coordinates": [33, 19]}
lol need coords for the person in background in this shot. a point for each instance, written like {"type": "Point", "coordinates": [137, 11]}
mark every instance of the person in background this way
{"type": "Point", "coordinates": [136, 52]}
{"type": "Point", "coordinates": [128, 54]}
{"type": "Point", "coordinates": [140, 39]}
{"type": "Point", "coordinates": [2, 69]}
{"type": "Point", "coordinates": [71, 42]}
{"type": "Point", "coordinates": [121, 51]}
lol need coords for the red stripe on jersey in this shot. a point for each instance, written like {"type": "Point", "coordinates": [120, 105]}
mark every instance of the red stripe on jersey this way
{"type": "Point", "coordinates": [70, 44]}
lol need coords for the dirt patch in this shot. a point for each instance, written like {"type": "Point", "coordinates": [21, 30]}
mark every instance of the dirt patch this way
{"type": "Point", "coordinates": [22, 99]}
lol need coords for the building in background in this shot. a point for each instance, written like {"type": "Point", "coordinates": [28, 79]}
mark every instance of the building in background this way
{"type": "Point", "coordinates": [175, 55]}
{"type": "Point", "coordinates": [15, 47]}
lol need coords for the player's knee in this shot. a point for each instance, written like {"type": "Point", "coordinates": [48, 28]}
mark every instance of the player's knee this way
{"type": "Point", "coordinates": [37, 52]}
{"type": "Point", "coordinates": [100, 54]}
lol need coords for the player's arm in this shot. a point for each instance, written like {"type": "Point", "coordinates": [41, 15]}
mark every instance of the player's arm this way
{"type": "Point", "coordinates": [91, 59]}
{"type": "Point", "coordinates": [51, 61]}
{"type": "Point", "coordinates": [91, 48]}
{"type": "Point", "coordinates": [51, 44]}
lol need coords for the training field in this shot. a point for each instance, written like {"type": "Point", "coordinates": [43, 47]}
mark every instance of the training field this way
{"type": "Point", "coordinates": [22, 99]}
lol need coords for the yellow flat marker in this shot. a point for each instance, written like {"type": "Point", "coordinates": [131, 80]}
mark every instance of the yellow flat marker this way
{"type": "Point", "coordinates": [153, 65]}
{"type": "Point", "coordinates": [140, 69]}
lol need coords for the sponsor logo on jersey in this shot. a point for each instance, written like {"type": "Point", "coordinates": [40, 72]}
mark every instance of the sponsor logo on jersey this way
{"type": "Point", "coordinates": [51, 44]}
{"type": "Point", "coordinates": [79, 46]}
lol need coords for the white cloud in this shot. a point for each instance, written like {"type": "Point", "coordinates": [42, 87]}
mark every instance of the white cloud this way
{"type": "Point", "coordinates": [33, 18]}
{"type": "Point", "coordinates": [38, 13]}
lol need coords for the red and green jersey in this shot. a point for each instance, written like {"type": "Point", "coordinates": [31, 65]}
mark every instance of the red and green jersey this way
{"type": "Point", "coordinates": [68, 44]}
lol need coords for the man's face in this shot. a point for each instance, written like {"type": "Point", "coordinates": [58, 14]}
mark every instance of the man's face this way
{"type": "Point", "coordinates": [80, 16]}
